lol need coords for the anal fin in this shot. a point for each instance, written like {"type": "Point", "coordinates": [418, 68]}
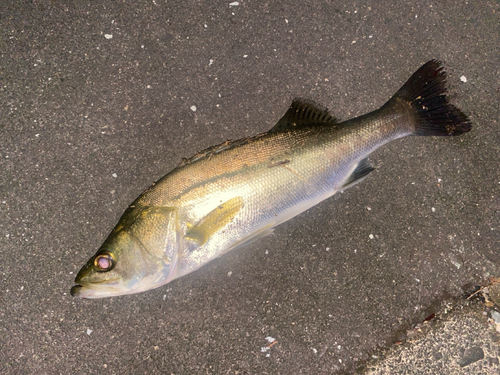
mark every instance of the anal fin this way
{"type": "Point", "coordinates": [363, 169]}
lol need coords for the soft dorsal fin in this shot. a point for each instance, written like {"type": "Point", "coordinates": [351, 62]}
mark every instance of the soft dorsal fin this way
{"type": "Point", "coordinates": [303, 113]}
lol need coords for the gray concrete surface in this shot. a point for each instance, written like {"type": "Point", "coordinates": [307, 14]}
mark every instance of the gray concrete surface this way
{"type": "Point", "coordinates": [96, 104]}
{"type": "Point", "coordinates": [462, 339]}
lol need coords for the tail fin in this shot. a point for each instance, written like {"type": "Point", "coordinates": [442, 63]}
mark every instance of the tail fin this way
{"type": "Point", "coordinates": [433, 113]}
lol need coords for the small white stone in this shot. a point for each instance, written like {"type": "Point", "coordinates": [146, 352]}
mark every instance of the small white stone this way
{"type": "Point", "coordinates": [89, 331]}
{"type": "Point", "coordinates": [108, 36]}
{"type": "Point", "coordinates": [270, 339]}
{"type": "Point", "coordinates": [229, 273]}
{"type": "Point", "coordinates": [371, 236]}
{"type": "Point", "coordinates": [495, 316]}
{"type": "Point", "coordinates": [234, 4]}
{"type": "Point", "coordinates": [315, 351]}
{"type": "Point", "coordinates": [114, 175]}
{"type": "Point", "coordinates": [433, 209]}
{"type": "Point", "coordinates": [193, 108]}
{"type": "Point", "coordinates": [463, 79]}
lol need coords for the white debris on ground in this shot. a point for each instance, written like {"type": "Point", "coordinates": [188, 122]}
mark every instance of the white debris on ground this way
{"type": "Point", "coordinates": [495, 315]}
{"type": "Point", "coordinates": [265, 349]}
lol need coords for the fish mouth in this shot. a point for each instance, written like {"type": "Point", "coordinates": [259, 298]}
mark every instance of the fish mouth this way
{"type": "Point", "coordinates": [75, 290]}
{"type": "Point", "coordinates": [94, 290]}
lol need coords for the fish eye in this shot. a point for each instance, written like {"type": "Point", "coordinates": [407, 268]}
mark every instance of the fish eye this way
{"type": "Point", "coordinates": [104, 262]}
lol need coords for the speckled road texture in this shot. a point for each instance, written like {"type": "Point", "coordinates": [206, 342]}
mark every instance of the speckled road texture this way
{"type": "Point", "coordinates": [100, 99]}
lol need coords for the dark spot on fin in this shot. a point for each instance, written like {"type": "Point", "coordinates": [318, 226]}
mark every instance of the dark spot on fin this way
{"type": "Point", "coordinates": [303, 113]}
{"type": "Point", "coordinates": [363, 169]}
{"type": "Point", "coordinates": [425, 92]}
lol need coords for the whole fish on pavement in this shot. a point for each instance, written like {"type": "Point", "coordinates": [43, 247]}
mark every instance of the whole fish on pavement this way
{"type": "Point", "coordinates": [233, 193]}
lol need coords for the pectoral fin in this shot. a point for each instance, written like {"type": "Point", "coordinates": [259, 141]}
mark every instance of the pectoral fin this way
{"type": "Point", "coordinates": [215, 220]}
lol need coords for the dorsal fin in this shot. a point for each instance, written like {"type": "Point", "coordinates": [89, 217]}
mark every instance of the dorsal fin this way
{"type": "Point", "coordinates": [303, 113]}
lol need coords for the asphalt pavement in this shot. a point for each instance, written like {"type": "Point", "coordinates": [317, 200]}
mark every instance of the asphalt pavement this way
{"type": "Point", "coordinates": [100, 99]}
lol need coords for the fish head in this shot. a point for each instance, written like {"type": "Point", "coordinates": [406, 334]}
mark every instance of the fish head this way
{"type": "Point", "coordinates": [140, 254]}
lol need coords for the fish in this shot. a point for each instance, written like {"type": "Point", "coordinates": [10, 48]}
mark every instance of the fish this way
{"type": "Point", "coordinates": [234, 193]}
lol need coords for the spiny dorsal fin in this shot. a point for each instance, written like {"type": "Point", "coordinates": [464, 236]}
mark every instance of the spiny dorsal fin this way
{"type": "Point", "coordinates": [303, 113]}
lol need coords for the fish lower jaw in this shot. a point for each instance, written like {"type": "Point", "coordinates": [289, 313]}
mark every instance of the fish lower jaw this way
{"type": "Point", "coordinates": [95, 290]}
